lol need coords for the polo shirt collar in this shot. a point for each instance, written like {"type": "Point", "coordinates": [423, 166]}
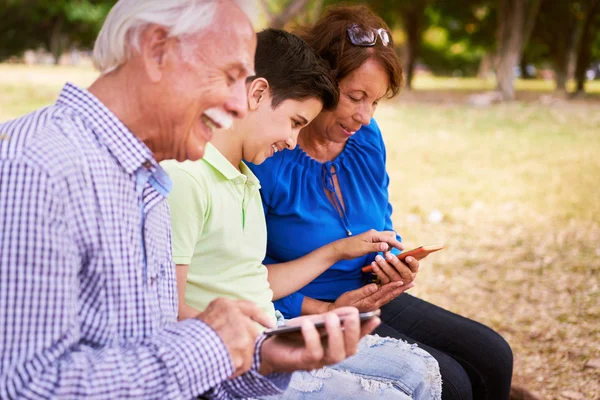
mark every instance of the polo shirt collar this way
{"type": "Point", "coordinates": [129, 151]}
{"type": "Point", "coordinates": [218, 161]}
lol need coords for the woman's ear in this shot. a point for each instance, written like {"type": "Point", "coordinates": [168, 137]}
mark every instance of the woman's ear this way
{"type": "Point", "coordinates": [258, 91]}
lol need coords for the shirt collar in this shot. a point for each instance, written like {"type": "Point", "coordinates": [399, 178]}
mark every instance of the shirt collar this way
{"type": "Point", "coordinates": [130, 152]}
{"type": "Point", "coordinates": [222, 164]}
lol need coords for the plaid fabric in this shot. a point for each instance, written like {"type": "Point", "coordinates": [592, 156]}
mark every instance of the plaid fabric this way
{"type": "Point", "coordinates": [88, 296]}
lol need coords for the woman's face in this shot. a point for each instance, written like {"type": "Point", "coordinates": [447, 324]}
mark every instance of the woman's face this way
{"type": "Point", "coordinates": [360, 91]}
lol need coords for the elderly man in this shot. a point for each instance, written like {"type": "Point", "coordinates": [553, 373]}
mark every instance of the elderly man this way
{"type": "Point", "coordinates": [87, 288]}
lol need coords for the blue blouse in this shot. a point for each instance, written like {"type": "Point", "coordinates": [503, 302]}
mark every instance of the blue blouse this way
{"type": "Point", "coordinates": [301, 218]}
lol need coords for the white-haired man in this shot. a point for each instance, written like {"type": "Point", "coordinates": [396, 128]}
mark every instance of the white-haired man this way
{"type": "Point", "coordinates": [88, 296]}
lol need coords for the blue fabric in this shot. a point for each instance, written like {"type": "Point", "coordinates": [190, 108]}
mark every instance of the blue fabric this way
{"type": "Point", "coordinates": [300, 217]}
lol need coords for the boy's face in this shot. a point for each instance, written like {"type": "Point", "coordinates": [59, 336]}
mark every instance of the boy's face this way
{"type": "Point", "coordinates": [272, 130]}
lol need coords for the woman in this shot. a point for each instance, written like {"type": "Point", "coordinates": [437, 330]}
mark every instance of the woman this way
{"type": "Point", "coordinates": [334, 185]}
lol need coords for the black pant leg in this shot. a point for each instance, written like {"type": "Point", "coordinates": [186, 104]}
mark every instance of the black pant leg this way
{"type": "Point", "coordinates": [483, 354]}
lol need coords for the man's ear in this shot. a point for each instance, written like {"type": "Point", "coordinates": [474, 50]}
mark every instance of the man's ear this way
{"type": "Point", "coordinates": [258, 91]}
{"type": "Point", "coordinates": [154, 45]}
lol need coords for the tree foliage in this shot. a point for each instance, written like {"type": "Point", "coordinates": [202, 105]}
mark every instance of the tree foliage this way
{"type": "Point", "coordinates": [54, 25]}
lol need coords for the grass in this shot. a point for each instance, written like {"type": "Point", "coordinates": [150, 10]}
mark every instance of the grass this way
{"type": "Point", "coordinates": [517, 185]}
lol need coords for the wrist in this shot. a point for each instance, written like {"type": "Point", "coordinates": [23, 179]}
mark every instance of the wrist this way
{"type": "Point", "coordinates": [265, 367]}
{"type": "Point", "coordinates": [327, 307]}
{"type": "Point", "coordinates": [335, 254]}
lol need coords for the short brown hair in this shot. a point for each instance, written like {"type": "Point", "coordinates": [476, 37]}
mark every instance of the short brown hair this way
{"type": "Point", "coordinates": [329, 37]}
{"type": "Point", "coordinates": [293, 69]}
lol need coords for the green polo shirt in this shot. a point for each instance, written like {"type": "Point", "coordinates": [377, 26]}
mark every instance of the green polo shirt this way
{"type": "Point", "coordinates": [219, 230]}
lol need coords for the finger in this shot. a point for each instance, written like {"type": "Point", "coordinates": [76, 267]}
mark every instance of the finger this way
{"type": "Point", "coordinates": [335, 351]}
{"type": "Point", "coordinates": [313, 348]}
{"type": "Point", "coordinates": [383, 292]}
{"type": "Point", "coordinates": [391, 271]}
{"type": "Point", "coordinates": [255, 313]}
{"type": "Point", "coordinates": [392, 294]}
{"type": "Point", "coordinates": [351, 333]}
{"type": "Point", "coordinates": [344, 311]}
{"type": "Point", "coordinates": [412, 263]}
{"type": "Point", "coordinates": [357, 295]}
{"type": "Point", "coordinates": [383, 278]}
{"type": "Point", "coordinates": [402, 269]}
{"type": "Point", "coordinates": [390, 238]}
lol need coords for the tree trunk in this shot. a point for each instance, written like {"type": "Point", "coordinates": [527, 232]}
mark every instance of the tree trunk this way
{"type": "Point", "coordinates": [515, 23]}
{"type": "Point", "coordinates": [486, 66]}
{"type": "Point", "coordinates": [584, 52]}
{"type": "Point", "coordinates": [413, 24]}
{"type": "Point", "coordinates": [56, 41]}
{"type": "Point", "coordinates": [291, 10]}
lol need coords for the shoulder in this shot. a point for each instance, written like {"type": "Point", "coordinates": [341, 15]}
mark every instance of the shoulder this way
{"type": "Point", "coordinates": [189, 177]}
{"type": "Point", "coordinates": [268, 172]}
{"type": "Point", "coordinates": [49, 140]}
{"type": "Point", "coordinates": [370, 134]}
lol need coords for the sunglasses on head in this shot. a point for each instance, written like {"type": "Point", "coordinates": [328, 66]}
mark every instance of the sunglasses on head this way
{"type": "Point", "coordinates": [362, 36]}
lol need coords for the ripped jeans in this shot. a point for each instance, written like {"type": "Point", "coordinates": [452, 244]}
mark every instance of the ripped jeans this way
{"type": "Point", "coordinates": [383, 368]}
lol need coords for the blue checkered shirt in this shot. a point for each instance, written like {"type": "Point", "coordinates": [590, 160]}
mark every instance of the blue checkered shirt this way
{"type": "Point", "coordinates": [88, 296]}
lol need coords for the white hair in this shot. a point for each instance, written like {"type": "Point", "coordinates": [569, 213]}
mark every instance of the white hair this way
{"type": "Point", "coordinates": [120, 33]}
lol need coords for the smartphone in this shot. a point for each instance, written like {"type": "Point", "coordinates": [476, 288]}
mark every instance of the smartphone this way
{"type": "Point", "coordinates": [419, 253]}
{"type": "Point", "coordinates": [286, 329]}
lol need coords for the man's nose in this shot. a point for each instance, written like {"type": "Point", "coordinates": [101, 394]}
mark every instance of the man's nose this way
{"type": "Point", "coordinates": [237, 103]}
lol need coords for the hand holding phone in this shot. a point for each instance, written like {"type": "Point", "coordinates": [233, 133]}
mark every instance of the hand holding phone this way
{"type": "Point", "coordinates": [320, 325]}
{"type": "Point", "coordinates": [419, 253]}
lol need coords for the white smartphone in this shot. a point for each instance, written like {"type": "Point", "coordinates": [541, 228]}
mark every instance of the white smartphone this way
{"type": "Point", "coordinates": [321, 324]}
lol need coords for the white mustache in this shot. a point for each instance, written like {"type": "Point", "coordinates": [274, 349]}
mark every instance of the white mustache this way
{"type": "Point", "coordinates": [221, 117]}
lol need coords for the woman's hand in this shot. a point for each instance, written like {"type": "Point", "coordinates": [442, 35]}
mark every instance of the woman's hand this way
{"type": "Point", "coordinates": [391, 269]}
{"type": "Point", "coordinates": [371, 241]}
{"type": "Point", "coordinates": [371, 297]}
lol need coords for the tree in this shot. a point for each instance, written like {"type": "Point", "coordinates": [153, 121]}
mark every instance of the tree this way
{"type": "Point", "coordinates": [516, 20]}
{"type": "Point", "coordinates": [591, 25]}
{"type": "Point", "coordinates": [51, 24]}
{"type": "Point", "coordinates": [560, 41]}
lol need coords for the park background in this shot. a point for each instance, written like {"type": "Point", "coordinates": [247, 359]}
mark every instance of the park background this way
{"type": "Point", "coordinates": [493, 149]}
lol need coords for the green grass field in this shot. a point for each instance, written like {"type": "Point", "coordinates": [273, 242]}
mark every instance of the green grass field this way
{"type": "Point", "coordinates": [517, 187]}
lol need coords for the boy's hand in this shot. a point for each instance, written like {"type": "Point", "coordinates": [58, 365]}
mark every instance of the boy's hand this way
{"type": "Point", "coordinates": [371, 241]}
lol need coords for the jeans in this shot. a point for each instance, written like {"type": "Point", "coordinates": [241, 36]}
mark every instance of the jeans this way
{"type": "Point", "coordinates": [475, 361]}
{"type": "Point", "coordinates": [383, 368]}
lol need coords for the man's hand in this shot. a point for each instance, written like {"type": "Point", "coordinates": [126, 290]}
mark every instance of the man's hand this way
{"type": "Point", "coordinates": [371, 297]}
{"type": "Point", "coordinates": [310, 351]}
{"type": "Point", "coordinates": [371, 241]}
{"type": "Point", "coordinates": [235, 323]}
{"type": "Point", "coordinates": [391, 269]}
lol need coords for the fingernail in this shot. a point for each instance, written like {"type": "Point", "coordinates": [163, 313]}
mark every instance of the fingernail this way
{"type": "Point", "coordinates": [378, 257]}
{"type": "Point", "coordinates": [388, 256]}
